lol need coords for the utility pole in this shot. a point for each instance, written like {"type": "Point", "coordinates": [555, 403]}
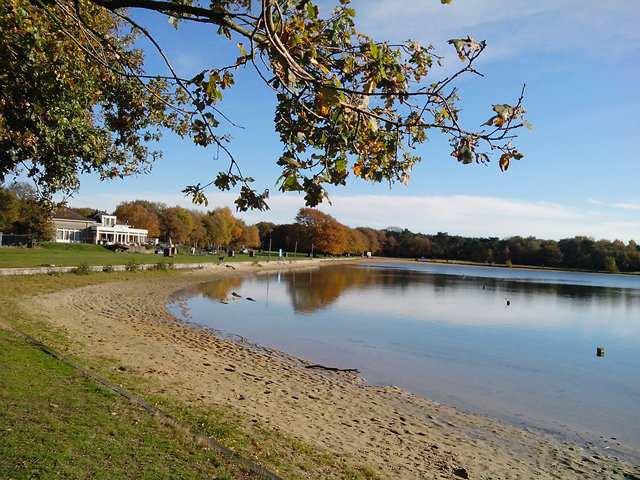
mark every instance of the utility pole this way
{"type": "Point", "coordinates": [269, 252]}
{"type": "Point", "coordinates": [295, 252]}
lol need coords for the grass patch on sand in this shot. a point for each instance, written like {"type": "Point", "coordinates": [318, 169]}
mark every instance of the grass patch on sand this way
{"type": "Point", "coordinates": [65, 255]}
{"type": "Point", "coordinates": [55, 423]}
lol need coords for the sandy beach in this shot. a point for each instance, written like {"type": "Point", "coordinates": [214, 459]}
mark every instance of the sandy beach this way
{"type": "Point", "coordinates": [398, 434]}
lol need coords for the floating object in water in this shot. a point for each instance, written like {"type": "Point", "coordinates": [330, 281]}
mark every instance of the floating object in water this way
{"type": "Point", "coordinates": [234, 294]}
{"type": "Point", "coordinates": [600, 352]}
{"type": "Point", "coordinates": [250, 299]}
{"type": "Point", "coordinates": [508, 302]}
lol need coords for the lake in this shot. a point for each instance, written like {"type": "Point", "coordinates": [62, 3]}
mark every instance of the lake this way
{"type": "Point", "coordinates": [515, 344]}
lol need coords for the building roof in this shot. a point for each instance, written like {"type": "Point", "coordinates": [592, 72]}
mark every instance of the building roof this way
{"type": "Point", "coordinates": [64, 213]}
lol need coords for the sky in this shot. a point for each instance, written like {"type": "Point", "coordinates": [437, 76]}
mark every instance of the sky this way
{"type": "Point", "coordinates": [580, 175]}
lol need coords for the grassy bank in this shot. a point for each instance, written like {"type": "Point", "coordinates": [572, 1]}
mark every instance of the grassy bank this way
{"type": "Point", "coordinates": [61, 254]}
{"type": "Point", "coordinates": [55, 423]}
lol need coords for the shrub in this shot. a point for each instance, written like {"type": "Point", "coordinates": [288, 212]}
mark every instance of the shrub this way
{"type": "Point", "coordinates": [82, 269]}
{"type": "Point", "coordinates": [163, 266]}
{"type": "Point", "coordinates": [132, 266]}
{"type": "Point", "coordinates": [509, 263]}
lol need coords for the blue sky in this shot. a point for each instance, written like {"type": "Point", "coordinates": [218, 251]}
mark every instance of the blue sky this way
{"type": "Point", "coordinates": [580, 174]}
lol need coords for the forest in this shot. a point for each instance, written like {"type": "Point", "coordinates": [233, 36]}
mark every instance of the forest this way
{"type": "Point", "coordinates": [317, 233]}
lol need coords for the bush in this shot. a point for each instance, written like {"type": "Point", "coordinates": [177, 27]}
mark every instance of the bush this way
{"type": "Point", "coordinates": [82, 269]}
{"type": "Point", "coordinates": [163, 266]}
{"type": "Point", "coordinates": [509, 263]}
{"type": "Point", "coordinates": [132, 266]}
{"type": "Point", "coordinates": [107, 268]}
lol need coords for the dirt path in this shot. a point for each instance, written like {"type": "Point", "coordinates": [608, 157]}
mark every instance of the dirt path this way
{"type": "Point", "coordinates": [402, 435]}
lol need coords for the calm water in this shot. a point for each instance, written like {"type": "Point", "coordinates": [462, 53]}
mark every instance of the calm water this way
{"type": "Point", "coordinates": [446, 332]}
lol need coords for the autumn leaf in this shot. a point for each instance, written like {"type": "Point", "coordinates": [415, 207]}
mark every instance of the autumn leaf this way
{"type": "Point", "coordinates": [505, 159]}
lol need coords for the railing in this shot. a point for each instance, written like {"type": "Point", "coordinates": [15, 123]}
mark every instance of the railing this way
{"type": "Point", "coordinates": [12, 239]}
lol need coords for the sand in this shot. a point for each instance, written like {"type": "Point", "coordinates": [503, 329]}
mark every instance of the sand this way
{"type": "Point", "coordinates": [402, 435]}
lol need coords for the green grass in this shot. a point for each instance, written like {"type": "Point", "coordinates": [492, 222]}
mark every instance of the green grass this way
{"type": "Point", "coordinates": [61, 254]}
{"type": "Point", "coordinates": [55, 423]}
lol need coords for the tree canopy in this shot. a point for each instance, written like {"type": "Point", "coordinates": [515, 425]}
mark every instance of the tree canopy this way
{"type": "Point", "coordinates": [141, 214]}
{"type": "Point", "coordinates": [76, 97]}
{"type": "Point", "coordinates": [21, 212]}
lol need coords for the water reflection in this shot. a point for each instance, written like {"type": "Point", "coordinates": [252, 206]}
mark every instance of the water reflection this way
{"type": "Point", "coordinates": [447, 333]}
{"type": "Point", "coordinates": [313, 290]}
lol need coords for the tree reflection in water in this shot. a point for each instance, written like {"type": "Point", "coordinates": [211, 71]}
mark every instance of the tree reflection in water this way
{"type": "Point", "coordinates": [316, 289]}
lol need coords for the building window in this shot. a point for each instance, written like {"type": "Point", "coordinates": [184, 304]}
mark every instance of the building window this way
{"type": "Point", "coordinates": [66, 235]}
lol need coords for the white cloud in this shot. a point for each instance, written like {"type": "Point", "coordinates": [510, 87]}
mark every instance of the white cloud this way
{"type": "Point", "coordinates": [456, 214]}
{"type": "Point", "coordinates": [510, 27]}
{"type": "Point", "coordinates": [615, 205]}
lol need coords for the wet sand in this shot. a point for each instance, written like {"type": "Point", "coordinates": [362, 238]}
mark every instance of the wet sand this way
{"type": "Point", "coordinates": [402, 435]}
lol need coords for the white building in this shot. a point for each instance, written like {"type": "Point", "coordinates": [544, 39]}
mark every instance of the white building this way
{"type": "Point", "coordinates": [72, 227]}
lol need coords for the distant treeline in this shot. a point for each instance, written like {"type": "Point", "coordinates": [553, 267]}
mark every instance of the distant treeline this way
{"type": "Point", "coordinates": [317, 232]}
{"type": "Point", "coordinates": [329, 236]}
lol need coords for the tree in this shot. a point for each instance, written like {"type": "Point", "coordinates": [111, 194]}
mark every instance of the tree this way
{"type": "Point", "coordinates": [265, 230]}
{"type": "Point", "coordinates": [356, 241]}
{"type": "Point", "coordinates": [9, 209]}
{"type": "Point", "coordinates": [71, 95]}
{"type": "Point", "coordinates": [140, 215]}
{"type": "Point", "coordinates": [550, 254]}
{"type": "Point", "coordinates": [22, 213]}
{"type": "Point", "coordinates": [198, 235]}
{"type": "Point", "coordinates": [610, 265]}
{"type": "Point", "coordinates": [177, 224]}
{"type": "Point", "coordinates": [372, 238]}
{"type": "Point", "coordinates": [223, 226]}
{"type": "Point", "coordinates": [75, 94]}
{"type": "Point", "coordinates": [250, 237]}
{"type": "Point", "coordinates": [322, 231]}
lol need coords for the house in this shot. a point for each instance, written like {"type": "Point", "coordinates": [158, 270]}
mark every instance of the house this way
{"type": "Point", "coordinates": [72, 227]}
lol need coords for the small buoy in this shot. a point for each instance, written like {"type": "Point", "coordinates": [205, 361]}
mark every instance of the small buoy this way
{"type": "Point", "coordinates": [600, 352]}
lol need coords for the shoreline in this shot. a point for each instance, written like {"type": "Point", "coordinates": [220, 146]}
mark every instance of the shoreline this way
{"type": "Point", "coordinates": [401, 434]}
{"type": "Point", "coordinates": [595, 440]}
{"type": "Point", "coordinates": [463, 263]}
